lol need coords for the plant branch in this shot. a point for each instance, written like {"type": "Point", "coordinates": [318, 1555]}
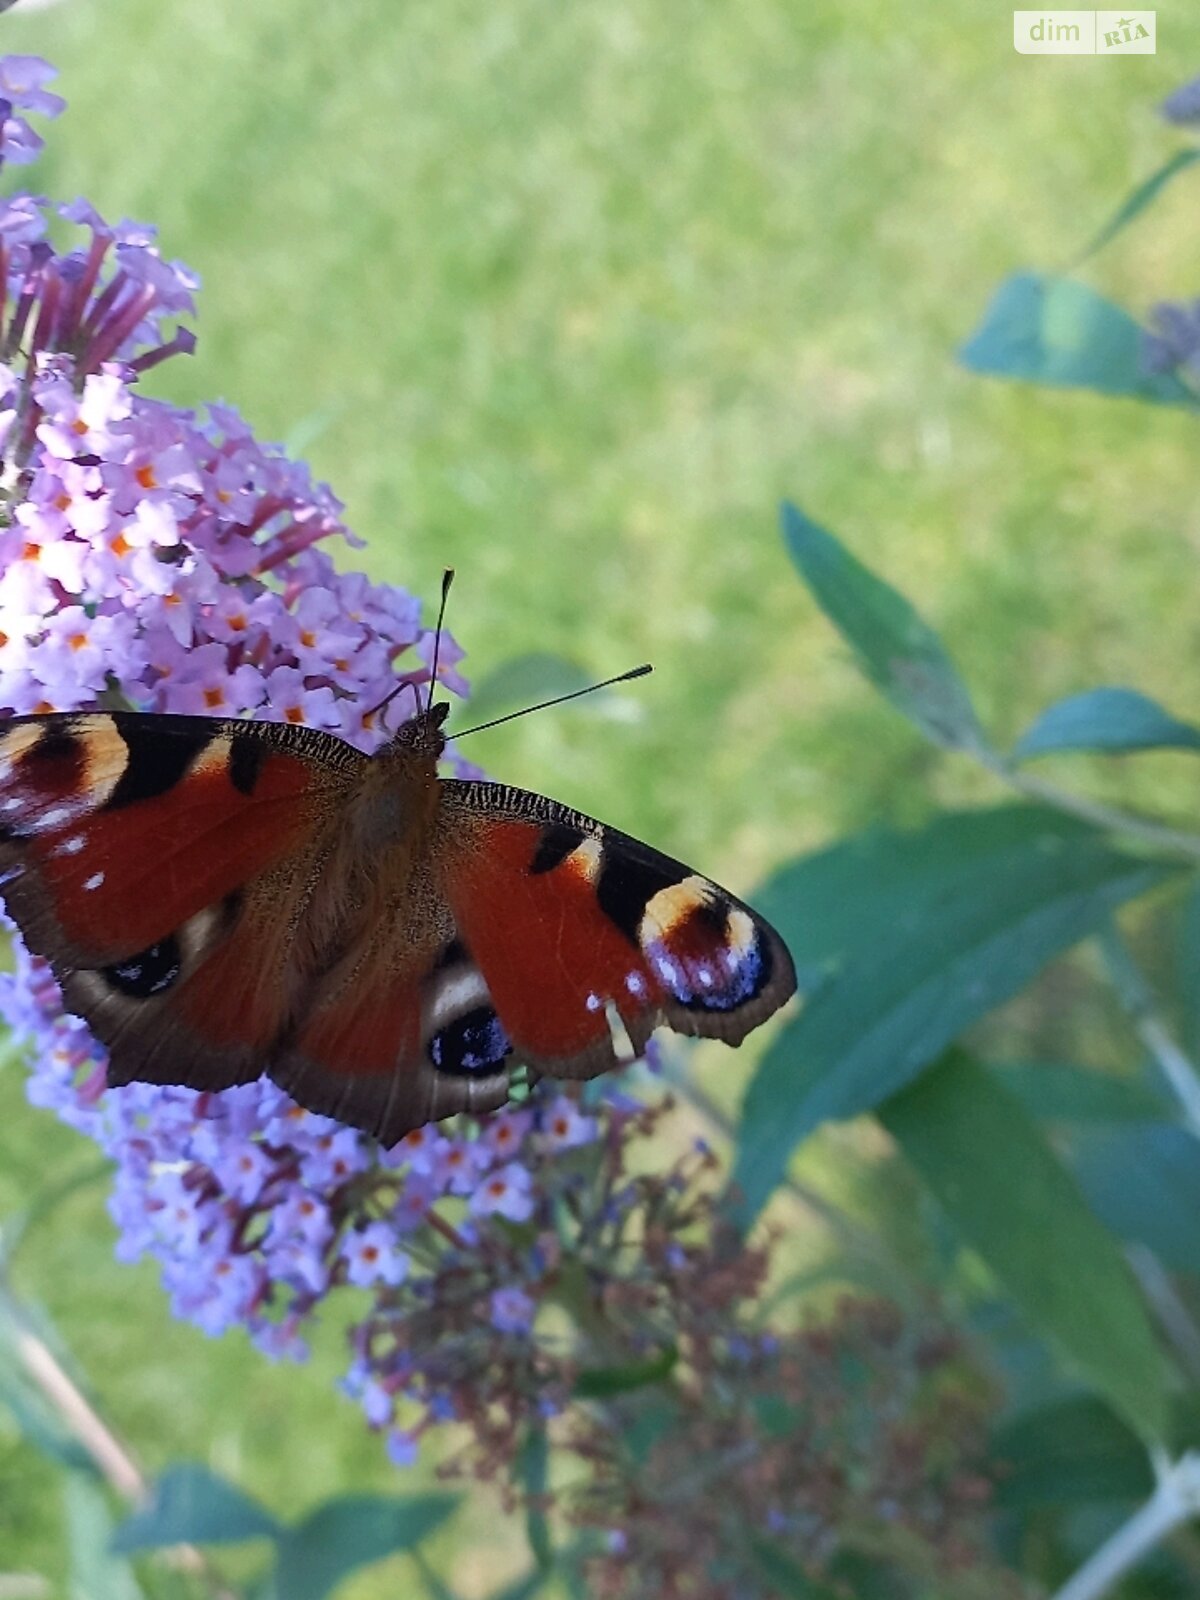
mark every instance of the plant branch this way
{"type": "Point", "coordinates": [113, 1460]}
{"type": "Point", "coordinates": [1138, 1001]}
{"type": "Point", "coordinates": [1175, 1501]}
{"type": "Point", "coordinates": [1112, 818]}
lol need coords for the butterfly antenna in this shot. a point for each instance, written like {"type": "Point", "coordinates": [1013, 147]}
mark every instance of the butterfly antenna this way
{"type": "Point", "coordinates": [405, 683]}
{"type": "Point", "coordinates": [447, 580]}
{"type": "Point", "coordinates": [558, 700]}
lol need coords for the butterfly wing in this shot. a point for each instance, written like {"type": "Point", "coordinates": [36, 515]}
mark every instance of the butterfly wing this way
{"type": "Point", "coordinates": [526, 932]}
{"type": "Point", "coordinates": [159, 864]}
{"type": "Point", "coordinates": [588, 939]}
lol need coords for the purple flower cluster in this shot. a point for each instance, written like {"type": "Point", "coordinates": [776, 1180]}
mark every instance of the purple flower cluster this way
{"type": "Point", "coordinates": [153, 558]}
{"type": "Point", "coordinates": [1173, 345]}
{"type": "Point", "coordinates": [1183, 104]}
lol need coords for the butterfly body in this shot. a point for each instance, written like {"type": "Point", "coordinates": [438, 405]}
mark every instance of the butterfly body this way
{"type": "Point", "coordinates": [219, 899]}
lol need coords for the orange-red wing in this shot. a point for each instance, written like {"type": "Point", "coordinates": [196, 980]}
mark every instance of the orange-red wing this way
{"type": "Point", "coordinates": [583, 935]}
{"type": "Point", "coordinates": [117, 828]}
{"type": "Point", "coordinates": [161, 865]}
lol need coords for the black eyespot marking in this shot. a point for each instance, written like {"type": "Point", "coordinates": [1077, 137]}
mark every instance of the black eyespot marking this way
{"type": "Point", "coordinates": [558, 841]}
{"type": "Point", "coordinates": [627, 887]}
{"type": "Point", "coordinates": [246, 757]}
{"type": "Point", "coordinates": [473, 1044]}
{"type": "Point", "coordinates": [147, 973]}
{"type": "Point", "coordinates": [155, 764]}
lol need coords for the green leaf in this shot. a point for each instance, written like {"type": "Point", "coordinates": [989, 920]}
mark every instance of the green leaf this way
{"type": "Point", "coordinates": [96, 1572]}
{"type": "Point", "coordinates": [599, 1383]}
{"type": "Point", "coordinates": [654, 1419]}
{"type": "Point", "coordinates": [1057, 1091]}
{"type": "Point", "coordinates": [1057, 331]}
{"type": "Point", "coordinates": [1145, 193]}
{"type": "Point", "coordinates": [1022, 886]}
{"type": "Point", "coordinates": [192, 1505]}
{"type": "Point", "coordinates": [1075, 1450]}
{"type": "Point", "coordinates": [38, 1424]}
{"type": "Point", "coordinates": [533, 1467]}
{"type": "Point", "coordinates": [525, 681]}
{"type": "Point", "coordinates": [350, 1532]}
{"type": "Point", "coordinates": [835, 902]}
{"type": "Point", "coordinates": [524, 1588]}
{"type": "Point", "coordinates": [1012, 1200]}
{"type": "Point", "coordinates": [1113, 721]}
{"type": "Point", "coordinates": [1188, 971]}
{"type": "Point", "coordinates": [894, 647]}
{"type": "Point", "coordinates": [786, 1577]}
{"type": "Point", "coordinates": [1143, 1182]}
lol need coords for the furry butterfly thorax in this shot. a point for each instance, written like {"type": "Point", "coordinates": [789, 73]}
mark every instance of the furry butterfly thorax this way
{"type": "Point", "coordinates": [221, 898]}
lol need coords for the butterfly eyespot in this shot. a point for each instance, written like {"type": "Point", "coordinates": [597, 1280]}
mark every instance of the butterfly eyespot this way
{"type": "Point", "coordinates": [472, 1044]}
{"type": "Point", "coordinates": [148, 973]}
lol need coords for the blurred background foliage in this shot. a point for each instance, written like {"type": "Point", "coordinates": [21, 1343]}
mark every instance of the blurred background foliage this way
{"type": "Point", "coordinates": [569, 297]}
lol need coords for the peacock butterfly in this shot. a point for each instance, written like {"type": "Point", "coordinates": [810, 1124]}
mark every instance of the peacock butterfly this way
{"type": "Point", "coordinates": [221, 899]}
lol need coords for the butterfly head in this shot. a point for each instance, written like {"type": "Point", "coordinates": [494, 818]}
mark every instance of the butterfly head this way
{"type": "Point", "coordinates": [422, 735]}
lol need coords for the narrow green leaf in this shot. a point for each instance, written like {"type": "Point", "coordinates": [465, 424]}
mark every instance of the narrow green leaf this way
{"type": "Point", "coordinates": [533, 1468]}
{"type": "Point", "coordinates": [1013, 1201]}
{"type": "Point", "coordinates": [96, 1572]}
{"type": "Point", "coordinates": [1057, 1091]}
{"type": "Point", "coordinates": [1074, 1451]}
{"type": "Point", "coordinates": [38, 1425]}
{"type": "Point", "coordinates": [192, 1505]}
{"type": "Point", "coordinates": [836, 902]}
{"type": "Point", "coordinates": [1143, 1182]}
{"type": "Point", "coordinates": [524, 1588]}
{"type": "Point", "coordinates": [1057, 331]}
{"type": "Point", "coordinates": [1111, 721]}
{"type": "Point", "coordinates": [435, 1584]}
{"type": "Point", "coordinates": [1188, 972]}
{"type": "Point", "coordinates": [652, 1420]}
{"type": "Point", "coordinates": [1144, 195]}
{"type": "Point", "coordinates": [784, 1573]}
{"type": "Point", "coordinates": [349, 1532]}
{"type": "Point", "coordinates": [896, 649]}
{"type": "Point", "coordinates": [1018, 896]}
{"type": "Point", "coordinates": [599, 1383]}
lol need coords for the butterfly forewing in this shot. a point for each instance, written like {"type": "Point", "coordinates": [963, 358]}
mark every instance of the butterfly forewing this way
{"type": "Point", "coordinates": [157, 863]}
{"type": "Point", "coordinates": [587, 939]}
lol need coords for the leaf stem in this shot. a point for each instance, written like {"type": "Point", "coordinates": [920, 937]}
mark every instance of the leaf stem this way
{"type": "Point", "coordinates": [1152, 833]}
{"type": "Point", "coordinates": [1138, 1001]}
{"type": "Point", "coordinates": [1176, 1500]}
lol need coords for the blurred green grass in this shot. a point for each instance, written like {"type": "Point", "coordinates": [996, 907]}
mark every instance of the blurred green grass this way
{"type": "Point", "coordinates": [569, 297]}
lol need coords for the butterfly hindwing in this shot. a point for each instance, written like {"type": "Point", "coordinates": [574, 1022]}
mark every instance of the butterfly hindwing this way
{"type": "Point", "coordinates": [401, 1031]}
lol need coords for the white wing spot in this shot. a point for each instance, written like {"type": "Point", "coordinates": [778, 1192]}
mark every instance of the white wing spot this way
{"type": "Point", "coordinates": [94, 882]}
{"type": "Point", "coordinates": [705, 977]}
{"type": "Point", "coordinates": [71, 846]}
{"type": "Point", "coordinates": [635, 984]}
{"type": "Point", "coordinates": [594, 1002]}
{"type": "Point", "coordinates": [55, 816]}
